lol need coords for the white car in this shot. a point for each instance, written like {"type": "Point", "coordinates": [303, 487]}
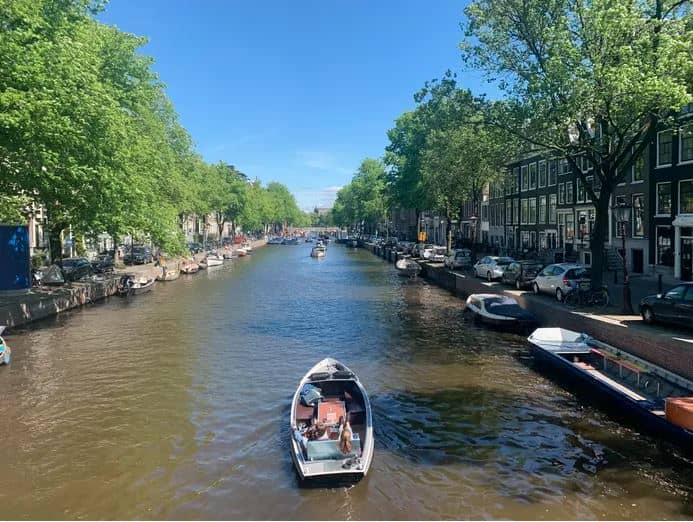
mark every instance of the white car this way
{"type": "Point", "coordinates": [561, 278]}
{"type": "Point", "coordinates": [492, 267]}
{"type": "Point", "coordinates": [460, 258]}
{"type": "Point", "coordinates": [438, 255]}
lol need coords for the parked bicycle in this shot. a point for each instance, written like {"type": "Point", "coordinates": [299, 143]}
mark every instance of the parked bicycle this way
{"type": "Point", "coordinates": [598, 298]}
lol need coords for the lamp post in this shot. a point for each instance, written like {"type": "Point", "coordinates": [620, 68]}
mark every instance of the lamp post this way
{"type": "Point", "coordinates": [473, 219]}
{"type": "Point", "coordinates": [622, 213]}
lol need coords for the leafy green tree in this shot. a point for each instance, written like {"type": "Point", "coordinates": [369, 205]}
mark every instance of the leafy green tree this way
{"type": "Point", "coordinates": [592, 79]}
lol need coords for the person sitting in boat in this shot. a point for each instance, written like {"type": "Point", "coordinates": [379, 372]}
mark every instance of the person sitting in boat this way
{"type": "Point", "coordinates": [345, 436]}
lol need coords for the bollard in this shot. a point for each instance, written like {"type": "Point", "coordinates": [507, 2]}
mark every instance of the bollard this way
{"type": "Point", "coordinates": [659, 283]}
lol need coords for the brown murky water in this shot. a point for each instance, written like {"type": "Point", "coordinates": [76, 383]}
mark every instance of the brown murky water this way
{"type": "Point", "coordinates": [175, 405]}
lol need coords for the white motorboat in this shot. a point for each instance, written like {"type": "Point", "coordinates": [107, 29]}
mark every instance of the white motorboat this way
{"type": "Point", "coordinates": [500, 311]}
{"type": "Point", "coordinates": [318, 251]}
{"type": "Point", "coordinates": [214, 260]}
{"type": "Point", "coordinates": [327, 393]}
{"type": "Point", "coordinates": [5, 352]}
{"type": "Point", "coordinates": [407, 267]}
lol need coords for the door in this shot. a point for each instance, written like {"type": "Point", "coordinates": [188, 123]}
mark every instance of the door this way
{"type": "Point", "coordinates": [686, 258]}
{"type": "Point", "coordinates": [666, 306]}
{"type": "Point", "coordinates": [638, 261]}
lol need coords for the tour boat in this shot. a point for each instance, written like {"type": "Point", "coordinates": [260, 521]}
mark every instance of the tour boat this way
{"type": "Point", "coordinates": [214, 260]}
{"type": "Point", "coordinates": [318, 251]}
{"type": "Point", "coordinates": [5, 352]}
{"type": "Point", "coordinates": [130, 284]}
{"type": "Point", "coordinates": [335, 392]}
{"type": "Point", "coordinates": [659, 400]}
{"type": "Point", "coordinates": [407, 267]}
{"type": "Point", "coordinates": [499, 311]}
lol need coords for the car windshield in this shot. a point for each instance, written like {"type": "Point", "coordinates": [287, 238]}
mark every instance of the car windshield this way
{"type": "Point", "coordinates": [70, 262]}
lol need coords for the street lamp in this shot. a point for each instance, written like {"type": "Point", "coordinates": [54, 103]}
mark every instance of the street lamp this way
{"type": "Point", "coordinates": [473, 219]}
{"type": "Point", "coordinates": [622, 212]}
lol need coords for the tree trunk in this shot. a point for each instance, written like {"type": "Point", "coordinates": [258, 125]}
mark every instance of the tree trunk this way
{"type": "Point", "coordinates": [418, 225]}
{"type": "Point", "coordinates": [55, 241]}
{"type": "Point", "coordinates": [448, 231]}
{"type": "Point", "coordinates": [599, 234]}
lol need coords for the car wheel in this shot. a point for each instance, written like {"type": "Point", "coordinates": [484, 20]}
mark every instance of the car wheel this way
{"type": "Point", "coordinates": [535, 288]}
{"type": "Point", "coordinates": [488, 277]}
{"type": "Point", "coordinates": [648, 315]}
{"type": "Point", "coordinates": [559, 295]}
{"type": "Point", "coordinates": [517, 284]}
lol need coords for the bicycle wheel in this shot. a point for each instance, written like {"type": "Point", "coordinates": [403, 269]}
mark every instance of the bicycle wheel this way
{"type": "Point", "coordinates": [572, 298]}
{"type": "Point", "coordinates": [600, 298]}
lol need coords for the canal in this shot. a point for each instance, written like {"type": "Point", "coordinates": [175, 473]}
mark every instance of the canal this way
{"type": "Point", "coordinates": [175, 405]}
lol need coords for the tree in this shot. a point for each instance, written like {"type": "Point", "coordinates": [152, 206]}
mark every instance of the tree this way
{"type": "Point", "coordinates": [363, 201]}
{"type": "Point", "coordinates": [592, 79]}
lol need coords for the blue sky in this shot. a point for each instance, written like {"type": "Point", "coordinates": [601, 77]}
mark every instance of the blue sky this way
{"type": "Point", "coordinates": [295, 91]}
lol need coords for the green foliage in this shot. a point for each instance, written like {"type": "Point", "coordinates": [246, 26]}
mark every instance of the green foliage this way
{"type": "Point", "coordinates": [363, 201]}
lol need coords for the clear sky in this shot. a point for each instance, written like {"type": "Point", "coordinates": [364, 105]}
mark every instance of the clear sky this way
{"type": "Point", "coordinates": [295, 91]}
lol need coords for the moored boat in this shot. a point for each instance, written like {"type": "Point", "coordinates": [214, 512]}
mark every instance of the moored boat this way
{"type": "Point", "coordinates": [499, 311]}
{"type": "Point", "coordinates": [189, 267]}
{"type": "Point", "coordinates": [241, 252]}
{"type": "Point", "coordinates": [5, 352]}
{"type": "Point", "coordinates": [168, 273]}
{"type": "Point", "coordinates": [214, 260]}
{"type": "Point", "coordinates": [328, 393]}
{"type": "Point", "coordinates": [130, 284]}
{"type": "Point", "coordinates": [660, 401]}
{"type": "Point", "coordinates": [407, 267]}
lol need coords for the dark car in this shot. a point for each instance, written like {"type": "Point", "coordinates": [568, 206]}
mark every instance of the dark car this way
{"type": "Point", "coordinates": [138, 255]}
{"type": "Point", "coordinates": [521, 274]}
{"type": "Point", "coordinates": [102, 264]}
{"type": "Point", "coordinates": [673, 306]}
{"type": "Point", "coordinates": [195, 248]}
{"type": "Point", "coordinates": [75, 268]}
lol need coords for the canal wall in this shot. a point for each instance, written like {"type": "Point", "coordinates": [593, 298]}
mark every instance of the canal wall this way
{"type": "Point", "coordinates": [628, 333]}
{"type": "Point", "coordinates": [17, 309]}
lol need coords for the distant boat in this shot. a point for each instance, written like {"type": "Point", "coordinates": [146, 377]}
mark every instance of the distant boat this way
{"type": "Point", "coordinates": [214, 260]}
{"type": "Point", "coordinates": [130, 284]}
{"type": "Point", "coordinates": [290, 241]}
{"type": "Point", "coordinates": [189, 267]}
{"type": "Point", "coordinates": [5, 352]}
{"type": "Point", "coordinates": [353, 243]}
{"type": "Point", "coordinates": [275, 241]}
{"type": "Point", "coordinates": [658, 400]}
{"type": "Point", "coordinates": [407, 267]}
{"type": "Point", "coordinates": [241, 252]}
{"type": "Point", "coordinates": [318, 251]}
{"type": "Point", "coordinates": [327, 392]}
{"type": "Point", "coordinates": [168, 274]}
{"type": "Point", "coordinates": [500, 311]}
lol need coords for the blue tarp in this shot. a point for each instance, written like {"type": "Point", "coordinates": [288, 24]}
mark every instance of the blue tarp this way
{"type": "Point", "coordinates": [15, 264]}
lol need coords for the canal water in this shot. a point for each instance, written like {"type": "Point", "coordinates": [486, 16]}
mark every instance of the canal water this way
{"type": "Point", "coordinates": [175, 405]}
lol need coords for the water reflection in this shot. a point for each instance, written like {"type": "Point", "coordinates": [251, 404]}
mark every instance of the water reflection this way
{"type": "Point", "coordinates": [175, 405]}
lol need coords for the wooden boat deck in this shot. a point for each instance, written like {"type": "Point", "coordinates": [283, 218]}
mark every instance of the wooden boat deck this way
{"type": "Point", "coordinates": [610, 382]}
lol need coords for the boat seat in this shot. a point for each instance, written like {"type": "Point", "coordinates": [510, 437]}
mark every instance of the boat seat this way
{"type": "Point", "coordinates": [304, 413]}
{"type": "Point", "coordinates": [329, 449]}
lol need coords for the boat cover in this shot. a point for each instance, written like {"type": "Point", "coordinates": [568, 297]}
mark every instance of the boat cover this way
{"type": "Point", "coordinates": [53, 276]}
{"type": "Point", "coordinates": [310, 395]}
{"type": "Point", "coordinates": [507, 307]}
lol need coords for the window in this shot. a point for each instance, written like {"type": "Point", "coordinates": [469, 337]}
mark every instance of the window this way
{"type": "Point", "coordinates": [533, 175]}
{"type": "Point", "coordinates": [638, 215]}
{"type": "Point", "coordinates": [525, 179]}
{"type": "Point", "coordinates": [484, 213]}
{"type": "Point", "coordinates": [664, 199]}
{"type": "Point", "coordinates": [570, 226]}
{"type": "Point", "coordinates": [686, 196]}
{"type": "Point", "coordinates": [552, 209]}
{"type": "Point", "coordinates": [580, 189]}
{"type": "Point", "coordinates": [516, 176]}
{"type": "Point", "coordinates": [569, 192]}
{"type": "Point", "coordinates": [508, 211]}
{"type": "Point", "coordinates": [542, 173]}
{"type": "Point", "coordinates": [532, 210]}
{"type": "Point", "coordinates": [524, 212]}
{"type": "Point", "coordinates": [637, 169]}
{"type": "Point", "coordinates": [553, 172]}
{"type": "Point", "coordinates": [561, 193]}
{"type": "Point", "coordinates": [620, 200]}
{"type": "Point", "coordinates": [686, 143]}
{"type": "Point", "coordinates": [664, 141]}
{"type": "Point", "coordinates": [516, 211]}
{"type": "Point", "coordinates": [665, 250]}
{"type": "Point", "coordinates": [584, 163]}
{"type": "Point", "coordinates": [565, 168]}
{"type": "Point", "coordinates": [542, 208]}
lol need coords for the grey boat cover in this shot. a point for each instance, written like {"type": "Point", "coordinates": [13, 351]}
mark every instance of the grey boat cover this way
{"type": "Point", "coordinates": [53, 276]}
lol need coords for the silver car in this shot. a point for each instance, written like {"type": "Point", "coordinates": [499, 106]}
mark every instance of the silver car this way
{"type": "Point", "coordinates": [492, 267]}
{"type": "Point", "coordinates": [561, 278]}
{"type": "Point", "coordinates": [460, 258]}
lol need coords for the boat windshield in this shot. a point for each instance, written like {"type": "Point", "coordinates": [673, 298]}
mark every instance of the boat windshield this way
{"type": "Point", "coordinates": [500, 301]}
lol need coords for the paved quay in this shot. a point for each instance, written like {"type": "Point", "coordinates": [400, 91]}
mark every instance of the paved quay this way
{"type": "Point", "coordinates": [18, 309]}
{"type": "Point", "coordinates": [666, 346]}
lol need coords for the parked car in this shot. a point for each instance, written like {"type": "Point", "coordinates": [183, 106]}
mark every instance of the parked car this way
{"type": "Point", "coordinates": [438, 254]}
{"type": "Point", "coordinates": [405, 247]}
{"type": "Point", "coordinates": [419, 249]}
{"type": "Point", "coordinates": [492, 267]}
{"type": "Point", "coordinates": [138, 255]}
{"type": "Point", "coordinates": [75, 268]}
{"type": "Point", "coordinates": [427, 252]}
{"type": "Point", "coordinates": [521, 274]}
{"type": "Point", "coordinates": [459, 258]}
{"type": "Point", "coordinates": [560, 278]}
{"type": "Point", "coordinates": [673, 306]}
{"type": "Point", "coordinates": [195, 248]}
{"type": "Point", "coordinates": [102, 264]}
